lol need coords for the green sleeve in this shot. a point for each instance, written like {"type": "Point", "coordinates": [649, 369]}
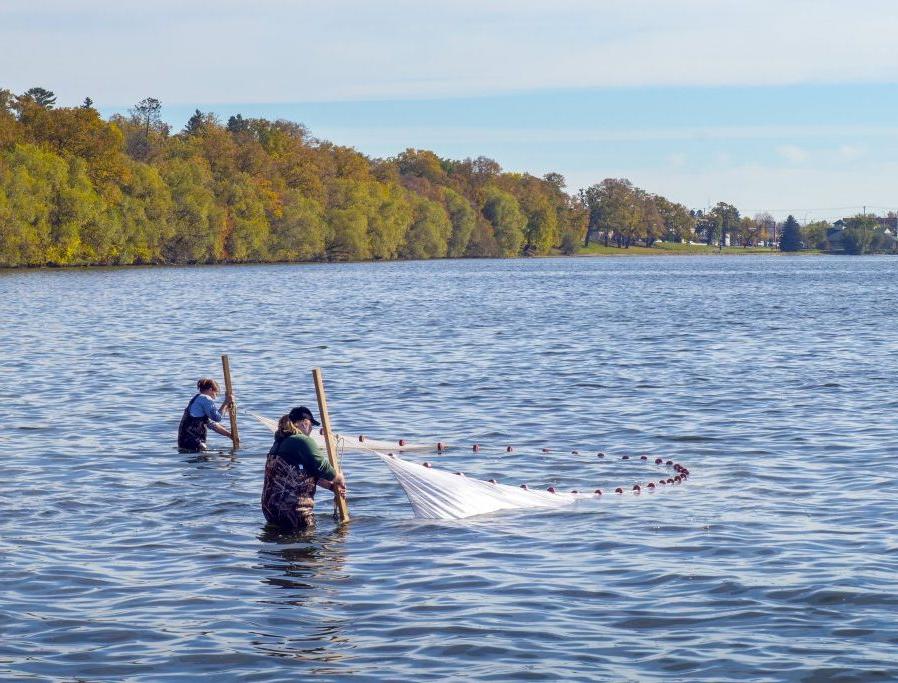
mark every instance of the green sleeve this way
{"type": "Point", "coordinates": [315, 461]}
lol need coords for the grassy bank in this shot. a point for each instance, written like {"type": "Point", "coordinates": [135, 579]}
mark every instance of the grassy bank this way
{"type": "Point", "coordinates": [668, 248]}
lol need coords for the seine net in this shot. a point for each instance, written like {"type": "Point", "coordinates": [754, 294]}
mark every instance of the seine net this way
{"type": "Point", "coordinates": [439, 494]}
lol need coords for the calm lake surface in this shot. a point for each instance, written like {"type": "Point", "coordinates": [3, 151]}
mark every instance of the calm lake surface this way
{"type": "Point", "coordinates": [773, 379]}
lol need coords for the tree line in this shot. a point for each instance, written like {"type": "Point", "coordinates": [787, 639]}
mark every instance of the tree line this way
{"type": "Point", "coordinates": [620, 214]}
{"type": "Point", "coordinates": [78, 189]}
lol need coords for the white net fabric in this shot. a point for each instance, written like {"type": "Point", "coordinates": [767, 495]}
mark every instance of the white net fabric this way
{"type": "Point", "coordinates": [438, 494]}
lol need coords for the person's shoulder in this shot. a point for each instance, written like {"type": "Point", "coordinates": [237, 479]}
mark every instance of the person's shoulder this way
{"type": "Point", "coordinates": [301, 441]}
{"type": "Point", "coordinates": [202, 398]}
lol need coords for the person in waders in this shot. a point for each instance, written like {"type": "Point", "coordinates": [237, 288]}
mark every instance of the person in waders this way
{"type": "Point", "coordinates": [294, 469]}
{"type": "Point", "coordinates": [201, 413]}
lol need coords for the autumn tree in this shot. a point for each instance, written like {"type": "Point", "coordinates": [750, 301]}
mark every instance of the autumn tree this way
{"type": "Point", "coordinates": [766, 225]}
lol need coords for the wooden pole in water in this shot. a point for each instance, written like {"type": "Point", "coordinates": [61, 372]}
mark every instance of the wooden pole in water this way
{"type": "Point", "coordinates": [232, 406]}
{"type": "Point", "coordinates": [339, 500]}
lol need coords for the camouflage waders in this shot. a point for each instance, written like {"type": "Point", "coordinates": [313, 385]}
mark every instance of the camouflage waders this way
{"type": "Point", "coordinates": [288, 493]}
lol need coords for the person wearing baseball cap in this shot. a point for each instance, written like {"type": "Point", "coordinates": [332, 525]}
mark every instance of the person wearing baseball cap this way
{"type": "Point", "coordinates": [295, 467]}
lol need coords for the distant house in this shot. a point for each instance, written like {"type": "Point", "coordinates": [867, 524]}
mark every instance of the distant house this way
{"type": "Point", "coordinates": [889, 224]}
{"type": "Point", "coordinates": [834, 236]}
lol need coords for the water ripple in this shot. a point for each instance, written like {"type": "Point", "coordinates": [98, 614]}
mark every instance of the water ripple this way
{"type": "Point", "coordinates": [772, 379]}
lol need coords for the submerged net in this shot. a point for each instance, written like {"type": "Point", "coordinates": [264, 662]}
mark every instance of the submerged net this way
{"type": "Point", "coordinates": [439, 494]}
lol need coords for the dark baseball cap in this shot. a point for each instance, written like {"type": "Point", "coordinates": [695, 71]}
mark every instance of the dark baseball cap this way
{"type": "Point", "coordinates": [303, 413]}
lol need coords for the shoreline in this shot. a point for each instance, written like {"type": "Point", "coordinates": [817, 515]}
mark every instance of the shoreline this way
{"type": "Point", "coordinates": [609, 252]}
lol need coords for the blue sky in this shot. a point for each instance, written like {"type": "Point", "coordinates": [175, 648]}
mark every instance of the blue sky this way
{"type": "Point", "coordinates": [786, 107]}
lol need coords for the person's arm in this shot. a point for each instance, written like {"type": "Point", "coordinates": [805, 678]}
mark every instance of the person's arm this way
{"type": "Point", "coordinates": [225, 406]}
{"type": "Point", "coordinates": [209, 409]}
{"type": "Point", "coordinates": [338, 485]}
{"type": "Point", "coordinates": [221, 430]}
{"type": "Point", "coordinates": [314, 461]}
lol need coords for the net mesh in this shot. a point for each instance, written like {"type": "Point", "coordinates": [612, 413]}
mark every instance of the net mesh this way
{"type": "Point", "coordinates": [439, 494]}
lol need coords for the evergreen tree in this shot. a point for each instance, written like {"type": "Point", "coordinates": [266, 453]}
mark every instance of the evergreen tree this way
{"type": "Point", "coordinates": [41, 97]}
{"type": "Point", "coordinates": [790, 240]}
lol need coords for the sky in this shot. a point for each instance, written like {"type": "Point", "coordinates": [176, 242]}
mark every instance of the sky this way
{"type": "Point", "coordinates": [787, 106]}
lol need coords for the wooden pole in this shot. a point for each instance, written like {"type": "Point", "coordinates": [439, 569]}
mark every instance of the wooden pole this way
{"type": "Point", "coordinates": [339, 500]}
{"type": "Point", "coordinates": [232, 406]}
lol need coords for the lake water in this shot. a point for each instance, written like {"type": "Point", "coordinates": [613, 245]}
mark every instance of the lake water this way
{"type": "Point", "coordinates": [773, 379]}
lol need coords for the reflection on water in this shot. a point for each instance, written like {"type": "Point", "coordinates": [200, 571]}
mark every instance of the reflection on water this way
{"type": "Point", "coordinates": [305, 553]}
{"type": "Point", "coordinates": [295, 566]}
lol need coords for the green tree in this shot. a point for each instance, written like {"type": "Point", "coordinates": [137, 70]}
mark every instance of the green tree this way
{"type": "Point", "coordinates": [423, 164]}
{"type": "Point", "coordinates": [143, 216]}
{"type": "Point", "coordinates": [483, 243]}
{"type": "Point", "coordinates": [463, 218]}
{"type": "Point", "coordinates": [347, 221]}
{"type": "Point", "coordinates": [429, 233]}
{"type": "Point", "coordinates": [859, 233]}
{"type": "Point", "coordinates": [41, 97]}
{"type": "Point", "coordinates": [790, 239]}
{"type": "Point", "coordinates": [613, 209]}
{"type": "Point", "coordinates": [27, 196]}
{"type": "Point", "coordinates": [247, 227]}
{"type": "Point", "coordinates": [726, 216]}
{"type": "Point", "coordinates": [748, 231]}
{"type": "Point", "coordinates": [198, 121]}
{"type": "Point", "coordinates": [651, 222]}
{"type": "Point", "coordinates": [815, 234]}
{"type": "Point", "coordinates": [49, 203]}
{"type": "Point", "coordinates": [678, 222]}
{"type": "Point", "coordinates": [389, 218]}
{"type": "Point", "coordinates": [197, 221]}
{"type": "Point", "coordinates": [298, 233]}
{"type": "Point", "coordinates": [541, 231]}
{"type": "Point", "coordinates": [503, 212]}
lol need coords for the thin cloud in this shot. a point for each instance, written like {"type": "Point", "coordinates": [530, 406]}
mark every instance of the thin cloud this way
{"type": "Point", "coordinates": [281, 50]}
{"type": "Point", "coordinates": [792, 153]}
{"type": "Point", "coordinates": [455, 134]}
